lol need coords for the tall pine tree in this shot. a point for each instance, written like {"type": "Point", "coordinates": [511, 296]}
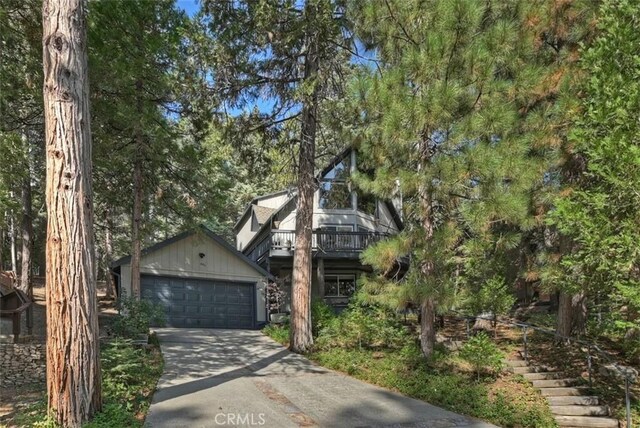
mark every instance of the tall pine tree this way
{"type": "Point", "coordinates": [282, 55]}
{"type": "Point", "coordinates": [445, 121]}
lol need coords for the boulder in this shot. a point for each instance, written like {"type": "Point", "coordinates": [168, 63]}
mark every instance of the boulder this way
{"type": "Point", "coordinates": [619, 372]}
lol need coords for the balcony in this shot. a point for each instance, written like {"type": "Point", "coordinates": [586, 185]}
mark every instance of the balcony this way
{"type": "Point", "coordinates": [282, 243]}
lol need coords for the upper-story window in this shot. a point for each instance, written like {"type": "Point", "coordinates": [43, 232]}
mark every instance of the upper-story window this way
{"type": "Point", "coordinates": [334, 188]}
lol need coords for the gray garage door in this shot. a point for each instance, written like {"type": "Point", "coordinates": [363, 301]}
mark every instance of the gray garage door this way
{"type": "Point", "coordinates": [202, 303]}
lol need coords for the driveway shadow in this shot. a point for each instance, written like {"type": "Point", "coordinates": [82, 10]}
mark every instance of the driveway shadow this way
{"type": "Point", "coordinates": [200, 359]}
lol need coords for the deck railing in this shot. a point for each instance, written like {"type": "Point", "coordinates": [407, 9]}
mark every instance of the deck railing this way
{"type": "Point", "coordinates": [325, 241]}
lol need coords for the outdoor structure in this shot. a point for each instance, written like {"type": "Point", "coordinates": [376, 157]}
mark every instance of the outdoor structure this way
{"type": "Point", "coordinates": [13, 303]}
{"type": "Point", "coordinates": [201, 280]}
{"type": "Point", "coordinates": [344, 223]}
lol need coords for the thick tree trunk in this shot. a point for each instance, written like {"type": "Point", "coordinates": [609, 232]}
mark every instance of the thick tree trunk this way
{"type": "Point", "coordinates": [301, 328]}
{"type": "Point", "coordinates": [108, 256]}
{"type": "Point", "coordinates": [73, 364]}
{"type": "Point", "coordinates": [136, 246]}
{"type": "Point", "coordinates": [27, 239]}
{"type": "Point", "coordinates": [572, 314]}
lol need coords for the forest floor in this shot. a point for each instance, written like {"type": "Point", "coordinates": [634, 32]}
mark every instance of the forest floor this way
{"type": "Point", "coordinates": [14, 400]}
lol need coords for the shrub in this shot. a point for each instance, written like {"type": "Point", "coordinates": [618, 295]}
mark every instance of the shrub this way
{"type": "Point", "coordinates": [322, 315]}
{"type": "Point", "coordinates": [136, 317]}
{"type": "Point", "coordinates": [275, 297]}
{"type": "Point", "coordinates": [361, 326]}
{"type": "Point", "coordinates": [482, 354]}
{"type": "Point", "coordinates": [278, 332]}
{"type": "Point", "coordinates": [493, 296]}
{"type": "Point", "coordinates": [129, 377]}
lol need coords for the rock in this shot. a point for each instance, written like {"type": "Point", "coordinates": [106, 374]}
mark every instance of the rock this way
{"type": "Point", "coordinates": [22, 364]}
{"type": "Point", "coordinates": [619, 372]}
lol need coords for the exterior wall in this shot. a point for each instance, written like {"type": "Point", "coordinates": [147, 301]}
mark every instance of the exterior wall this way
{"type": "Point", "coordinates": [289, 222]}
{"type": "Point", "coordinates": [182, 259]}
{"type": "Point", "coordinates": [244, 234]}
{"type": "Point", "coordinates": [387, 224]}
{"type": "Point", "coordinates": [322, 217]}
{"type": "Point", "coordinates": [331, 268]}
{"type": "Point", "coordinates": [275, 201]}
{"type": "Point", "coordinates": [125, 280]}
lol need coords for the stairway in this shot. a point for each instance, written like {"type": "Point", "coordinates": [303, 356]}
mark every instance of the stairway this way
{"type": "Point", "coordinates": [569, 402]}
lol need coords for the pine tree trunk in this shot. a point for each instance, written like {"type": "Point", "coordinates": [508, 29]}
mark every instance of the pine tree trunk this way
{"type": "Point", "coordinates": [301, 328]}
{"type": "Point", "coordinates": [427, 326]}
{"type": "Point", "coordinates": [572, 314]}
{"type": "Point", "coordinates": [108, 256]}
{"type": "Point", "coordinates": [428, 305]}
{"type": "Point", "coordinates": [27, 238]}
{"type": "Point", "coordinates": [136, 246]}
{"type": "Point", "coordinates": [73, 365]}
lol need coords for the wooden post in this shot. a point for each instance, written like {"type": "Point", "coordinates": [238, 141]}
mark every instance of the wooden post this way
{"type": "Point", "coordinates": [321, 277]}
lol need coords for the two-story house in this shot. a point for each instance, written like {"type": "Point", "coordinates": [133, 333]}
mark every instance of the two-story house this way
{"type": "Point", "coordinates": [344, 223]}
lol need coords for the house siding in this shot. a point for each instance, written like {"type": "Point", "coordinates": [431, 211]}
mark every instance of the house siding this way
{"type": "Point", "coordinates": [244, 234]}
{"type": "Point", "coordinates": [355, 218]}
{"type": "Point", "coordinates": [274, 202]}
{"type": "Point", "coordinates": [182, 259]}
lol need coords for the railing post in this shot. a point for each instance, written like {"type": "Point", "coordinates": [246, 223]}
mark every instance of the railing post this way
{"type": "Point", "coordinates": [466, 321]}
{"type": "Point", "coordinates": [627, 399]}
{"type": "Point", "coordinates": [589, 367]}
{"type": "Point", "coordinates": [524, 338]}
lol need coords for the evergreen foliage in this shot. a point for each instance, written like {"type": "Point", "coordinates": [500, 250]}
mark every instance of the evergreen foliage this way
{"type": "Point", "coordinates": [599, 213]}
{"type": "Point", "coordinates": [444, 123]}
{"type": "Point", "coordinates": [482, 354]}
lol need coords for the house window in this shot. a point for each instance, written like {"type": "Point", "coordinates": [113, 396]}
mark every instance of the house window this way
{"type": "Point", "coordinates": [339, 285]}
{"type": "Point", "coordinates": [334, 189]}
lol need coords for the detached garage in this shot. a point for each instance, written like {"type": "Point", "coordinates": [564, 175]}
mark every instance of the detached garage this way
{"type": "Point", "coordinates": [201, 281]}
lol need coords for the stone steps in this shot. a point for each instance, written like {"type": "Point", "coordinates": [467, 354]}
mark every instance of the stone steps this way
{"type": "Point", "coordinates": [562, 392]}
{"type": "Point", "coordinates": [516, 363]}
{"type": "Point", "coordinates": [524, 370]}
{"type": "Point", "coordinates": [586, 422]}
{"type": "Point", "coordinates": [552, 383]}
{"type": "Point", "coordinates": [579, 410]}
{"type": "Point", "coordinates": [542, 375]}
{"type": "Point", "coordinates": [571, 400]}
{"type": "Point", "coordinates": [570, 405]}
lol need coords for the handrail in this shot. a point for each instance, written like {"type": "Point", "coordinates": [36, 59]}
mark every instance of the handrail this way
{"type": "Point", "coordinates": [628, 380]}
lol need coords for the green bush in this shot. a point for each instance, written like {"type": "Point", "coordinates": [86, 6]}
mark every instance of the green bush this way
{"type": "Point", "coordinates": [129, 377]}
{"type": "Point", "coordinates": [482, 354]}
{"type": "Point", "coordinates": [278, 332]}
{"type": "Point", "coordinates": [136, 317]}
{"type": "Point", "coordinates": [492, 296]}
{"type": "Point", "coordinates": [322, 315]}
{"type": "Point", "coordinates": [362, 326]}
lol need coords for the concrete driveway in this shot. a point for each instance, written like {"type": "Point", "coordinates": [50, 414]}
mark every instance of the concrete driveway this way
{"type": "Point", "coordinates": [241, 378]}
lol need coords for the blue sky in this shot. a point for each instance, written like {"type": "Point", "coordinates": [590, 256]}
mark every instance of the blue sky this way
{"type": "Point", "coordinates": [189, 6]}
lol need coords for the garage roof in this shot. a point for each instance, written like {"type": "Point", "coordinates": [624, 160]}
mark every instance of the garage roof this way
{"type": "Point", "coordinates": [202, 229]}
